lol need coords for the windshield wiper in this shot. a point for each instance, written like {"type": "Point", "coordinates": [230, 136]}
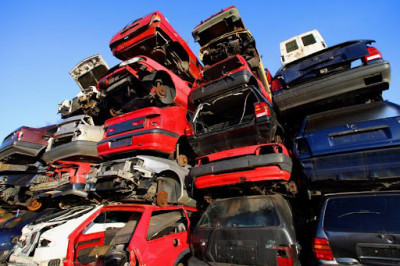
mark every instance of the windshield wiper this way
{"type": "Point", "coordinates": [359, 212]}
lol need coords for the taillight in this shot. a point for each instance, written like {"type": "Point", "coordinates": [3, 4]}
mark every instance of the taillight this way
{"type": "Point", "coordinates": [285, 256]}
{"type": "Point", "coordinates": [189, 130]}
{"type": "Point", "coordinates": [302, 146]}
{"type": "Point", "coordinates": [373, 54]}
{"type": "Point", "coordinates": [156, 18]}
{"type": "Point", "coordinates": [18, 135]}
{"type": "Point", "coordinates": [322, 249]}
{"type": "Point", "coordinates": [261, 110]}
{"type": "Point", "coordinates": [276, 85]}
{"type": "Point", "coordinates": [138, 122]}
{"type": "Point", "coordinates": [110, 129]}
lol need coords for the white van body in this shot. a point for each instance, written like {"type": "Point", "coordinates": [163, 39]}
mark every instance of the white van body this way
{"type": "Point", "coordinates": [301, 45]}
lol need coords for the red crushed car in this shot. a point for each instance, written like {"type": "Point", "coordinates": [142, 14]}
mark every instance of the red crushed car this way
{"type": "Point", "coordinates": [264, 164]}
{"type": "Point", "coordinates": [223, 76]}
{"type": "Point", "coordinates": [151, 104]}
{"type": "Point", "coordinates": [64, 180]}
{"type": "Point", "coordinates": [26, 144]}
{"type": "Point", "coordinates": [134, 234]}
{"type": "Point", "coordinates": [223, 35]}
{"type": "Point", "coordinates": [154, 37]}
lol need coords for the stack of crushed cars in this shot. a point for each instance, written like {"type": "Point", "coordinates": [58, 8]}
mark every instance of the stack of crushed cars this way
{"type": "Point", "coordinates": [346, 138]}
{"type": "Point", "coordinates": [165, 128]}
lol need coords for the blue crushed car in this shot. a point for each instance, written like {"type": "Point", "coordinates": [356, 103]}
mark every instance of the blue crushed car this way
{"type": "Point", "coordinates": [356, 143]}
{"type": "Point", "coordinates": [10, 230]}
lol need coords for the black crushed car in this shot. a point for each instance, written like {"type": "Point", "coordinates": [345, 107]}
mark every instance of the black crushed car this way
{"type": "Point", "coordinates": [251, 230]}
{"type": "Point", "coordinates": [349, 72]}
{"type": "Point", "coordinates": [359, 229]}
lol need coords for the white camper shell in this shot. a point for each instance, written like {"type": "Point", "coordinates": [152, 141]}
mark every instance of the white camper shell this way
{"type": "Point", "coordinates": [301, 45]}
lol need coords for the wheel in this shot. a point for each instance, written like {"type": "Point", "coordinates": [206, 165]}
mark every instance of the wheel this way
{"type": "Point", "coordinates": [165, 93]}
{"type": "Point", "coordinates": [33, 204]}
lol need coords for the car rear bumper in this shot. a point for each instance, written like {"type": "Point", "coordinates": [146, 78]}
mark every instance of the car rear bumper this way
{"type": "Point", "coordinates": [356, 81]}
{"type": "Point", "coordinates": [78, 148]}
{"type": "Point", "coordinates": [366, 165]}
{"type": "Point", "coordinates": [16, 148]}
{"type": "Point", "coordinates": [268, 167]}
{"type": "Point", "coordinates": [157, 140]}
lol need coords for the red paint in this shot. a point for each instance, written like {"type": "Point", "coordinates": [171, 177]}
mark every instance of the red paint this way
{"type": "Point", "coordinates": [150, 29]}
{"type": "Point", "coordinates": [171, 120]}
{"type": "Point", "coordinates": [159, 251]}
{"type": "Point", "coordinates": [263, 173]}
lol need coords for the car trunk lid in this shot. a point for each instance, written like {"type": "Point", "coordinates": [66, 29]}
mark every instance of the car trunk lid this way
{"type": "Point", "coordinates": [236, 119]}
{"type": "Point", "coordinates": [365, 228]}
{"type": "Point", "coordinates": [324, 61]}
{"type": "Point", "coordinates": [350, 129]}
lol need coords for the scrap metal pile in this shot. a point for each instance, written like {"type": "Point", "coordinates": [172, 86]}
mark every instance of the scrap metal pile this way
{"type": "Point", "coordinates": [166, 129]}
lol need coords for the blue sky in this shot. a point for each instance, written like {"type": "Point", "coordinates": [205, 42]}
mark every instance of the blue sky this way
{"type": "Point", "coordinates": [42, 40]}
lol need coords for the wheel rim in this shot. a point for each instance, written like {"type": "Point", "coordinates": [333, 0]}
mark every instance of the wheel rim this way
{"type": "Point", "coordinates": [34, 205]}
{"type": "Point", "coordinates": [162, 198]}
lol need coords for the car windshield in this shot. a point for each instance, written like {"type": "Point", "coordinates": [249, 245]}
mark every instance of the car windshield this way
{"type": "Point", "coordinates": [354, 114]}
{"type": "Point", "coordinates": [226, 111]}
{"type": "Point", "coordinates": [364, 213]}
{"type": "Point", "coordinates": [65, 215]}
{"type": "Point", "coordinates": [240, 212]}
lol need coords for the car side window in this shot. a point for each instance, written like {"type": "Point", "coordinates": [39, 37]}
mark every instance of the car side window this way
{"type": "Point", "coordinates": [108, 220]}
{"type": "Point", "coordinates": [164, 223]}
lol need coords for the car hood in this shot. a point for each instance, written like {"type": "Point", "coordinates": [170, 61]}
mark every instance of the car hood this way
{"type": "Point", "coordinates": [89, 71]}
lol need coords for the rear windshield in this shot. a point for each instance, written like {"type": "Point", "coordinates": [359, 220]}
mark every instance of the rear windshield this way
{"type": "Point", "coordinates": [226, 111]}
{"type": "Point", "coordinates": [363, 214]}
{"type": "Point", "coordinates": [356, 114]}
{"type": "Point", "coordinates": [291, 46]}
{"type": "Point", "coordinates": [240, 212]}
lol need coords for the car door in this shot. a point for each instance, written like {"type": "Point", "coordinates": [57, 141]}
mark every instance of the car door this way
{"type": "Point", "coordinates": [167, 237]}
{"type": "Point", "coordinates": [97, 234]}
